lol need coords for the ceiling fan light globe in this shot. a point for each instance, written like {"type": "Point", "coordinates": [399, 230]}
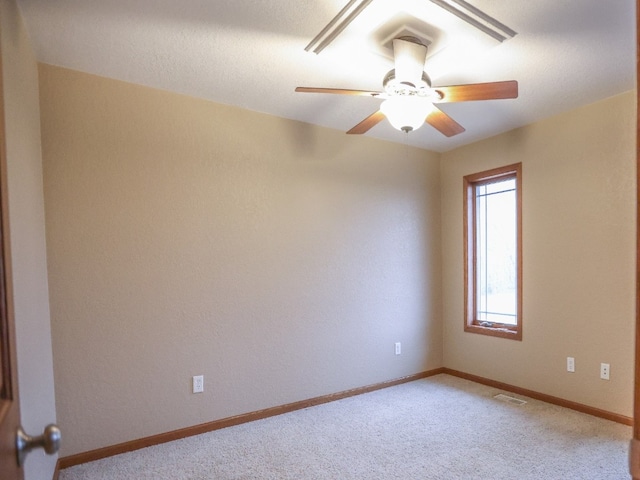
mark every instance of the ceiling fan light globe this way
{"type": "Point", "coordinates": [406, 113]}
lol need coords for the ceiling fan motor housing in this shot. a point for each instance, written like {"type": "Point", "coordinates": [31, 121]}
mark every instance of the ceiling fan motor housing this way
{"type": "Point", "coordinates": [408, 78]}
{"type": "Point", "coordinates": [398, 86]}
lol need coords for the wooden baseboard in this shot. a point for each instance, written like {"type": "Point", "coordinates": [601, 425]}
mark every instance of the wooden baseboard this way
{"type": "Point", "coordinates": [90, 456]}
{"type": "Point", "coordinates": [596, 412]}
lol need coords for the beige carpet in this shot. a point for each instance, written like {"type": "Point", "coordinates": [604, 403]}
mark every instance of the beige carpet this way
{"type": "Point", "coordinates": [441, 427]}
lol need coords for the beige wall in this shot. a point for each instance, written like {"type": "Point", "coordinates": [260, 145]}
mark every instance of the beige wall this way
{"type": "Point", "coordinates": [579, 256]}
{"type": "Point", "coordinates": [280, 260]}
{"type": "Point", "coordinates": [27, 235]}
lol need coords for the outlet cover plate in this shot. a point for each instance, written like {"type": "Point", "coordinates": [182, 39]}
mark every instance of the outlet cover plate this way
{"type": "Point", "coordinates": [198, 384]}
{"type": "Point", "coordinates": [571, 364]}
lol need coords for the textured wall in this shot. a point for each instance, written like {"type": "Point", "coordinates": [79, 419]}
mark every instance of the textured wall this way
{"type": "Point", "coordinates": [579, 255]}
{"type": "Point", "coordinates": [280, 260]}
{"type": "Point", "coordinates": [27, 235]}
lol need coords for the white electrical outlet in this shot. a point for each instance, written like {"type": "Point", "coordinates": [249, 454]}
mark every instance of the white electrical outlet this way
{"type": "Point", "coordinates": [198, 384]}
{"type": "Point", "coordinates": [398, 348]}
{"type": "Point", "coordinates": [571, 364]}
{"type": "Point", "coordinates": [605, 371]}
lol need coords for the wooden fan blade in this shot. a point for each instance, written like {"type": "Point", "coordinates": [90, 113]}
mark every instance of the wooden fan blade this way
{"type": "Point", "coordinates": [339, 91]}
{"type": "Point", "coordinates": [369, 122]}
{"type": "Point", "coordinates": [478, 91]}
{"type": "Point", "coordinates": [443, 122]}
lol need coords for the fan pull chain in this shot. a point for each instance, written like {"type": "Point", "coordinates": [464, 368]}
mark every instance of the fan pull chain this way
{"type": "Point", "coordinates": [406, 145]}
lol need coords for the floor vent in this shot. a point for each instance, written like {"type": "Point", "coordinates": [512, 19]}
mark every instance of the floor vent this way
{"type": "Point", "coordinates": [506, 398]}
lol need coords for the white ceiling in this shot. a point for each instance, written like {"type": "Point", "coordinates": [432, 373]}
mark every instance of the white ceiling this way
{"type": "Point", "coordinates": [251, 54]}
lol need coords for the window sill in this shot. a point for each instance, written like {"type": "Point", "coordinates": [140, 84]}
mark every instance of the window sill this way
{"type": "Point", "coordinates": [495, 332]}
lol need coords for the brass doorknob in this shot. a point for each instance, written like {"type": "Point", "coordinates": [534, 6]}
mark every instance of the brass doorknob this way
{"type": "Point", "coordinates": [49, 440]}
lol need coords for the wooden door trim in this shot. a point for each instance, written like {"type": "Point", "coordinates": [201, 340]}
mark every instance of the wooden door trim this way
{"type": "Point", "coordinates": [634, 450]}
{"type": "Point", "coordinates": [9, 400]}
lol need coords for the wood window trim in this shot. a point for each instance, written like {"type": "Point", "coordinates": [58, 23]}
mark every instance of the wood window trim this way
{"type": "Point", "coordinates": [469, 181]}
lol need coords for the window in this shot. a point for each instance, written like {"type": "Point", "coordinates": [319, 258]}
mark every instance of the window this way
{"type": "Point", "coordinates": [493, 252]}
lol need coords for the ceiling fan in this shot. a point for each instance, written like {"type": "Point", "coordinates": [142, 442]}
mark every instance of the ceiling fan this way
{"type": "Point", "coordinates": [409, 98]}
